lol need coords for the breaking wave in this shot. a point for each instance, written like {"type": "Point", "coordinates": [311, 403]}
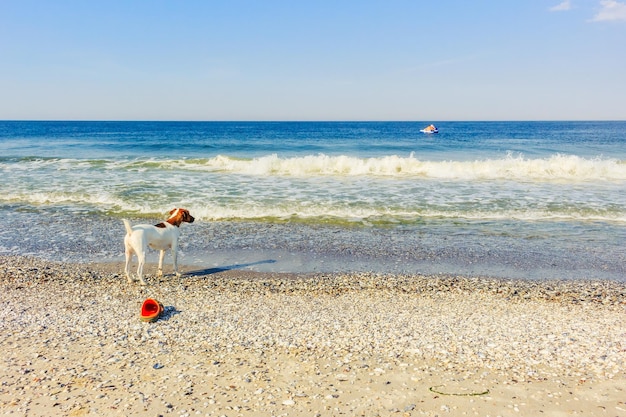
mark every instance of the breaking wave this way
{"type": "Point", "coordinates": [325, 188]}
{"type": "Point", "coordinates": [558, 167]}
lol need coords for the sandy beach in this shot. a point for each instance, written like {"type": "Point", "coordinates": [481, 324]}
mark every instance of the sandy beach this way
{"type": "Point", "coordinates": [244, 343]}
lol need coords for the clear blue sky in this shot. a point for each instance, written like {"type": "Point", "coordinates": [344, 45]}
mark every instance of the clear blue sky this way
{"type": "Point", "coordinates": [313, 60]}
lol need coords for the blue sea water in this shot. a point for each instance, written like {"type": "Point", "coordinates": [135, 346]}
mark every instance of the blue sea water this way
{"type": "Point", "coordinates": [557, 189]}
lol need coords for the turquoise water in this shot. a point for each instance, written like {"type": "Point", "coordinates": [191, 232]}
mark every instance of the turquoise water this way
{"type": "Point", "coordinates": [558, 185]}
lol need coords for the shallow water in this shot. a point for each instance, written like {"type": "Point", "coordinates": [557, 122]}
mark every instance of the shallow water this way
{"type": "Point", "coordinates": [304, 248]}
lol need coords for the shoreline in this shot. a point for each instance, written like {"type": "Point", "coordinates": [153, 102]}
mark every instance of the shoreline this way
{"type": "Point", "coordinates": [306, 248]}
{"type": "Point", "coordinates": [244, 343]}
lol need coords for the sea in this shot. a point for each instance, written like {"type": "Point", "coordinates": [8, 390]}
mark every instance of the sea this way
{"type": "Point", "coordinates": [520, 200]}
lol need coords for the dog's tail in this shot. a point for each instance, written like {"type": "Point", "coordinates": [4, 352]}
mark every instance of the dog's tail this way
{"type": "Point", "coordinates": [129, 229]}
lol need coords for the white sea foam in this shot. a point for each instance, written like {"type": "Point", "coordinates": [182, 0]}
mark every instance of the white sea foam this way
{"type": "Point", "coordinates": [332, 209]}
{"type": "Point", "coordinates": [334, 188]}
{"type": "Point", "coordinates": [555, 168]}
{"type": "Point", "coordinates": [378, 216]}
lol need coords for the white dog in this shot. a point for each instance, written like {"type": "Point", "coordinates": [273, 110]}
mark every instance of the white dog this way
{"type": "Point", "coordinates": [161, 237]}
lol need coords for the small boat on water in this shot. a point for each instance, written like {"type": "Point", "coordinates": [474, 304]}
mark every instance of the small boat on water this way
{"type": "Point", "coordinates": [430, 129]}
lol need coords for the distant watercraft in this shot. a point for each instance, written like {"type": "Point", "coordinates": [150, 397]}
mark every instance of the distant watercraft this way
{"type": "Point", "coordinates": [430, 129]}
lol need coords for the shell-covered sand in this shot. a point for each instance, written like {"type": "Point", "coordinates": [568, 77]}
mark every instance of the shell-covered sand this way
{"type": "Point", "coordinates": [242, 343]}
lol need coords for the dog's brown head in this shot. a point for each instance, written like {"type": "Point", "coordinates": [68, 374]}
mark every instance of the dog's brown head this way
{"type": "Point", "coordinates": [180, 215]}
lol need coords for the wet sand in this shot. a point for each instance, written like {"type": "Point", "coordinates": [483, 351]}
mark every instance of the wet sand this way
{"type": "Point", "coordinates": [235, 342]}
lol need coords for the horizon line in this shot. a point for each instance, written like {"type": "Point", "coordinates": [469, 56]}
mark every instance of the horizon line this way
{"type": "Point", "coordinates": [308, 121]}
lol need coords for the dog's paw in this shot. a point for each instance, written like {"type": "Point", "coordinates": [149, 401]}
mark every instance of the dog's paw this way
{"type": "Point", "coordinates": [159, 273]}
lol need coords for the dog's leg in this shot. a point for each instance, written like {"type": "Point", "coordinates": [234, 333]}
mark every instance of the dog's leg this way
{"type": "Point", "coordinates": [128, 250]}
{"type": "Point", "coordinates": [141, 260]}
{"type": "Point", "coordinates": [129, 256]}
{"type": "Point", "coordinates": [160, 270]}
{"type": "Point", "coordinates": [175, 259]}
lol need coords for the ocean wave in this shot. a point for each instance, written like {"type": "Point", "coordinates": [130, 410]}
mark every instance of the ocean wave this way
{"type": "Point", "coordinates": [326, 189]}
{"type": "Point", "coordinates": [310, 212]}
{"type": "Point", "coordinates": [379, 216]}
{"type": "Point", "coordinates": [558, 167]}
